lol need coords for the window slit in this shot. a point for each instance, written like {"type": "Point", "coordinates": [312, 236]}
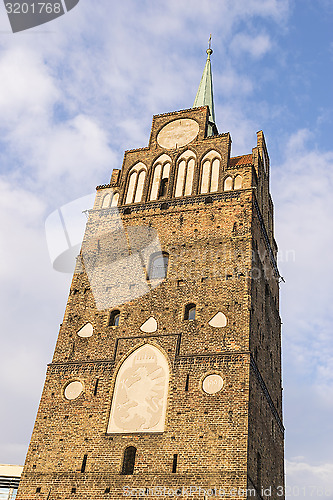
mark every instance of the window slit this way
{"type": "Point", "coordinates": [174, 463]}
{"type": "Point", "coordinates": [84, 463]}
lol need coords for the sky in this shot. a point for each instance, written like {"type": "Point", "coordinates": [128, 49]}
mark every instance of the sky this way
{"type": "Point", "coordinates": [78, 91]}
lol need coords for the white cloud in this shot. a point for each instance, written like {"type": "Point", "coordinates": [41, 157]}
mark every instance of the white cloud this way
{"type": "Point", "coordinates": [26, 87]}
{"type": "Point", "coordinates": [256, 46]}
{"type": "Point", "coordinates": [308, 481]}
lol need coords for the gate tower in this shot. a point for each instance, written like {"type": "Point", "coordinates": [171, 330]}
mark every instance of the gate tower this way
{"type": "Point", "coordinates": [166, 375]}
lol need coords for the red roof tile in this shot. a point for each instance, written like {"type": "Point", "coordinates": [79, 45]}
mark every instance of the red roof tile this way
{"type": "Point", "coordinates": [240, 160]}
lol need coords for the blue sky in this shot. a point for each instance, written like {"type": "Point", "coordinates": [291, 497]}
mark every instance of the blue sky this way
{"type": "Point", "coordinates": [75, 93]}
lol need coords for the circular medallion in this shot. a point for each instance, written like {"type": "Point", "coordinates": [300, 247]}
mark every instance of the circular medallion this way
{"type": "Point", "coordinates": [212, 384]}
{"type": "Point", "coordinates": [73, 390]}
{"type": "Point", "coordinates": [178, 133]}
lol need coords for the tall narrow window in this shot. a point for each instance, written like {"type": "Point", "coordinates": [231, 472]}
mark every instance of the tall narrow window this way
{"type": "Point", "coordinates": [187, 382]}
{"type": "Point", "coordinates": [131, 187]}
{"type": "Point", "coordinates": [180, 179]}
{"type": "Point", "coordinates": [114, 318]}
{"type": "Point", "coordinates": [84, 463]}
{"type": "Point", "coordinates": [174, 463]}
{"type": "Point", "coordinates": [214, 181]}
{"type": "Point", "coordinates": [190, 312]}
{"type": "Point", "coordinates": [96, 387]}
{"type": "Point", "coordinates": [163, 188]}
{"type": "Point", "coordinates": [129, 460]}
{"type": "Point", "coordinates": [205, 177]}
{"type": "Point", "coordinates": [139, 188]}
{"type": "Point", "coordinates": [159, 266]}
{"type": "Point", "coordinates": [156, 182]}
{"type": "Point", "coordinates": [189, 177]}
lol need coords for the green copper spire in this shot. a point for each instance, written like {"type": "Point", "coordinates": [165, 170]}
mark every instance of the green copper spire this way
{"type": "Point", "coordinates": [204, 95]}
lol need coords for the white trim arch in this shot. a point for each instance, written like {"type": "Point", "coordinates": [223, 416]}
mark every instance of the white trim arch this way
{"type": "Point", "coordinates": [110, 200]}
{"type": "Point", "coordinates": [185, 174]}
{"type": "Point", "coordinates": [161, 173]}
{"type": "Point", "coordinates": [210, 172]}
{"type": "Point", "coordinates": [227, 184]}
{"type": "Point", "coordinates": [135, 184]}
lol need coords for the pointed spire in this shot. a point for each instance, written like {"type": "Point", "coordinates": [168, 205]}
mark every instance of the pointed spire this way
{"type": "Point", "coordinates": [204, 95]}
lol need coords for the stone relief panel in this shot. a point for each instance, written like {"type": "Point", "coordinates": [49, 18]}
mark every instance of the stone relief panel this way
{"type": "Point", "coordinates": [140, 394]}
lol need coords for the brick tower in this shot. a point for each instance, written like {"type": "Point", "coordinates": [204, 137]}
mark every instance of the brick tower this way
{"type": "Point", "coordinates": [166, 376]}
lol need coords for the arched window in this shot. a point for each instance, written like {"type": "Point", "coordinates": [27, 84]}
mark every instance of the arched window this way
{"type": "Point", "coordinates": [106, 201]}
{"type": "Point", "coordinates": [190, 312]}
{"type": "Point", "coordinates": [129, 460]}
{"type": "Point", "coordinates": [158, 266]}
{"type": "Point", "coordinates": [131, 187]}
{"type": "Point", "coordinates": [160, 177]}
{"type": "Point", "coordinates": [139, 187]}
{"type": "Point", "coordinates": [114, 318]}
{"type": "Point", "coordinates": [238, 182]}
{"type": "Point", "coordinates": [185, 176]}
{"type": "Point", "coordinates": [210, 172]}
{"type": "Point", "coordinates": [137, 176]}
{"type": "Point", "coordinates": [228, 184]}
{"type": "Point", "coordinates": [115, 199]}
{"type": "Point", "coordinates": [140, 393]}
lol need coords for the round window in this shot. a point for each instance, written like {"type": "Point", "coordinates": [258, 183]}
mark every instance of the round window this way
{"type": "Point", "coordinates": [212, 384]}
{"type": "Point", "coordinates": [73, 390]}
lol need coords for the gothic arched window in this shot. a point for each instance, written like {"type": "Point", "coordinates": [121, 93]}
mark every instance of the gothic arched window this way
{"type": "Point", "coordinates": [228, 184]}
{"type": "Point", "coordinates": [129, 460]}
{"type": "Point", "coordinates": [140, 392]}
{"type": "Point", "coordinates": [114, 318]}
{"type": "Point", "coordinates": [160, 177]}
{"type": "Point", "coordinates": [106, 201]}
{"type": "Point", "coordinates": [238, 182]}
{"type": "Point", "coordinates": [136, 176]}
{"type": "Point", "coordinates": [210, 172]}
{"type": "Point", "coordinates": [115, 199]}
{"type": "Point", "coordinates": [185, 175]}
{"type": "Point", "coordinates": [158, 266]}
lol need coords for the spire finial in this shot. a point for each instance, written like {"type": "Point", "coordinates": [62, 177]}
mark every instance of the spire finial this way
{"type": "Point", "coordinates": [204, 95]}
{"type": "Point", "coordinates": [209, 51]}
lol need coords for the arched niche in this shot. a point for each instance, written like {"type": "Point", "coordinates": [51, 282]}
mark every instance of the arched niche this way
{"type": "Point", "coordinates": [185, 175]}
{"type": "Point", "coordinates": [140, 392]}
{"type": "Point", "coordinates": [211, 164]}
{"type": "Point", "coordinates": [238, 182]}
{"type": "Point", "coordinates": [135, 185]}
{"type": "Point", "coordinates": [106, 201]}
{"type": "Point", "coordinates": [228, 184]}
{"type": "Point", "coordinates": [161, 172]}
